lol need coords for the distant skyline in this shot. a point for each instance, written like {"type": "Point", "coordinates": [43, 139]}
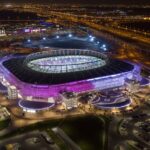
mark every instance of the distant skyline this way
{"type": "Point", "coordinates": [109, 2]}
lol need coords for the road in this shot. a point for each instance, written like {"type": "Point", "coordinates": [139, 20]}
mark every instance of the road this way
{"type": "Point", "coordinates": [25, 143]}
{"type": "Point", "coordinates": [71, 144]}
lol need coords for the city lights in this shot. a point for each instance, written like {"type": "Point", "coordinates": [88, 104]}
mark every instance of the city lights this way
{"type": "Point", "coordinates": [74, 74]}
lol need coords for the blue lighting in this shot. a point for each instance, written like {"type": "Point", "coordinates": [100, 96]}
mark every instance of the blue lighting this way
{"type": "Point", "coordinates": [57, 37]}
{"type": "Point", "coordinates": [29, 40]}
{"type": "Point", "coordinates": [44, 38]}
{"type": "Point", "coordinates": [98, 42]}
{"type": "Point", "coordinates": [70, 35]}
{"type": "Point", "coordinates": [103, 46]}
{"type": "Point", "coordinates": [92, 39]}
{"type": "Point", "coordinates": [105, 49]}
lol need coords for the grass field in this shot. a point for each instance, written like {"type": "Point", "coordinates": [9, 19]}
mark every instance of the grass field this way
{"type": "Point", "coordinates": [89, 132]}
{"type": "Point", "coordinates": [86, 132]}
{"type": "Point", "coordinates": [4, 124]}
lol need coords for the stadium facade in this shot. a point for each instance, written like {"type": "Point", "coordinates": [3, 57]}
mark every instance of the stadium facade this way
{"type": "Point", "coordinates": [43, 76]}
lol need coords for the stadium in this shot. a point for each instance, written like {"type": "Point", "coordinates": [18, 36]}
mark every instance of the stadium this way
{"type": "Point", "coordinates": [68, 41]}
{"type": "Point", "coordinates": [44, 76]}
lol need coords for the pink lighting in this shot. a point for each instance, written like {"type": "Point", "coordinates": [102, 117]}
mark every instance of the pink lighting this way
{"type": "Point", "coordinates": [47, 91]}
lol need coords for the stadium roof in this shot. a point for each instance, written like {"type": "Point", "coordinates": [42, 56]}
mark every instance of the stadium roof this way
{"type": "Point", "coordinates": [22, 72]}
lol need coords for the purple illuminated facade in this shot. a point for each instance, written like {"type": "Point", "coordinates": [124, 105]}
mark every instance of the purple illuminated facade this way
{"type": "Point", "coordinates": [46, 92]}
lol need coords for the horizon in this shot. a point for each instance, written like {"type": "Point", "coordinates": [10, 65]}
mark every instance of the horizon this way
{"type": "Point", "coordinates": [93, 2]}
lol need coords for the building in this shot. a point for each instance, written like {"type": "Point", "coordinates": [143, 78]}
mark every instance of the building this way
{"type": "Point", "coordinates": [69, 100]}
{"type": "Point", "coordinates": [4, 113]}
{"type": "Point", "coordinates": [2, 32]}
{"type": "Point", "coordinates": [44, 75]}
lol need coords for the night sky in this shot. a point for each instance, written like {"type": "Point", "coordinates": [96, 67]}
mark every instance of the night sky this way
{"type": "Point", "coordinates": [129, 2]}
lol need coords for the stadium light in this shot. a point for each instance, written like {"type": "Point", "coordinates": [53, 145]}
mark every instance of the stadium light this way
{"type": "Point", "coordinates": [70, 35]}
{"type": "Point", "coordinates": [29, 40]}
{"type": "Point", "coordinates": [57, 37]}
{"type": "Point", "coordinates": [105, 49]}
{"type": "Point", "coordinates": [103, 46]}
{"type": "Point", "coordinates": [44, 38]}
{"type": "Point", "coordinates": [92, 39]}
